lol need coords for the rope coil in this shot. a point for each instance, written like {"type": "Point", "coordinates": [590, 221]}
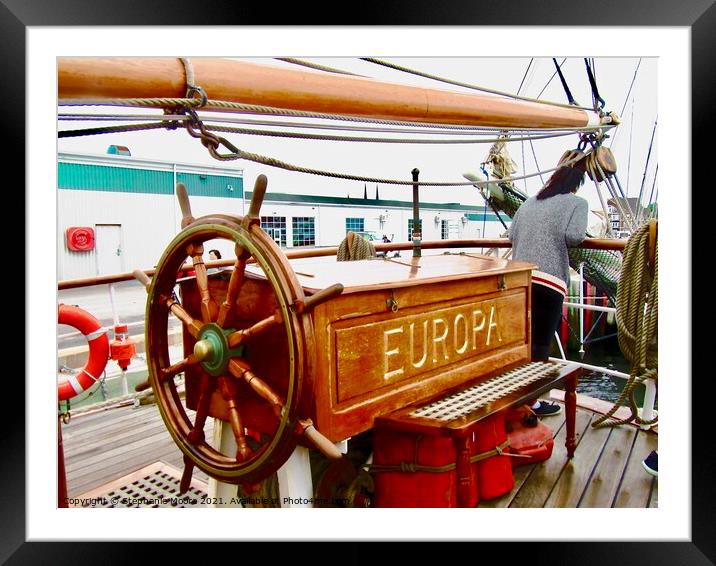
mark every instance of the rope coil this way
{"type": "Point", "coordinates": [637, 318]}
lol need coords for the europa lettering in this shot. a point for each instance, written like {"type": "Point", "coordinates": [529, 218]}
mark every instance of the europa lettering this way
{"type": "Point", "coordinates": [434, 341]}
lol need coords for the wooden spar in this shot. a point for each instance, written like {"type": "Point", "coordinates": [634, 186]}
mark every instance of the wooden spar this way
{"type": "Point", "coordinates": [304, 90]}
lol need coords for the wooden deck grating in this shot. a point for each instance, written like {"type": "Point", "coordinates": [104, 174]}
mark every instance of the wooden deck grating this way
{"type": "Point", "coordinates": [606, 471]}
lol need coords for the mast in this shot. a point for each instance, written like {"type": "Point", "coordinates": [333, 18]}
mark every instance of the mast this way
{"type": "Point", "coordinates": [310, 91]}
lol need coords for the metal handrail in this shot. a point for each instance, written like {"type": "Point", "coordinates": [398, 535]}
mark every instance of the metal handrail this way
{"type": "Point", "coordinates": [589, 243]}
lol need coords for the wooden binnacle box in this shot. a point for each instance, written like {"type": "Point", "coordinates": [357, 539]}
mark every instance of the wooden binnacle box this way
{"type": "Point", "coordinates": [403, 331]}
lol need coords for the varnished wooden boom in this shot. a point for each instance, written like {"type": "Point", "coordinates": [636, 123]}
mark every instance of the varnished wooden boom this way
{"type": "Point", "coordinates": [249, 83]}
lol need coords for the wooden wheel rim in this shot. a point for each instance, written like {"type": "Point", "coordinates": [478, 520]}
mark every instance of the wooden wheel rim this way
{"type": "Point", "coordinates": [287, 291]}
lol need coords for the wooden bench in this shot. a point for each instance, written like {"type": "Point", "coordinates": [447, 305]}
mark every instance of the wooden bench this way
{"type": "Point", "coordinates": [458, 414]}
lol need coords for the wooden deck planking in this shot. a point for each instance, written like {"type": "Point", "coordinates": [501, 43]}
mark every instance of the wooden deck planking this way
{"type": "Point", "coordinates": [521, 474]}
{"type": "Point", "coordinates": [654, 495]}
{"type": "Point", "coordinates": [636, 483]}
{"type": "Point", "coordinates": [573, 480]}
{"type": "Point", "coordinates": [607, 474]}
{"type": "Point", "coordinates": [538, 487]}
{"type": "Point", "coordinates": [606, 470]}
{"type": "Point", "coordinates": [113, 453]}
{"type": "Point", "coordinates": [95, 444]}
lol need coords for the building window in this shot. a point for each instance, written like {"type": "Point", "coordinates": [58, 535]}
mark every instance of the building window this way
{"type": "Point", "coordinates": [304, 231]}
{"type": "Point", "coordinates": [615, 218]}
{"type": "Point", "coordinates": [444, 229]}
{"type": "Point", "coordinates": [410, 229]}
{"type": "Point", "coordinates": [355, 225]}
{"type": "Point", "coordinates": [275, 226]}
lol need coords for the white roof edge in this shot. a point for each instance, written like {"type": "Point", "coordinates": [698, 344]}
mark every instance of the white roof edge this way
{"type": "Point", "coordinates": [138, 162]}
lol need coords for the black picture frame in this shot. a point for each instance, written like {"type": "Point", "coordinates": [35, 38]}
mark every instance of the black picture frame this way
{"type": "Point", "coordinates": [698, 15]}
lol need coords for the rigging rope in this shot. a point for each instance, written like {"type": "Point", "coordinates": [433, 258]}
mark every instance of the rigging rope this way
{"type": "Point", "coordinates": [115, 129]}
{"type": "Point", "coordinates": [643, 179]}
{"type": "Point", "coordinates": [570, 98]}
{"type": "Point", "coordinates": [522, 143]}
{"type": "Point", "coordinates": [175, 103]}
{"type": "Point", "coordinates": [272, 162]}
{"type": "Point", "coordinates": [534, 154]}
{"type": "Point", "coordinates": [212, 141]}
{"type": "Point", "coordinates": [372, 139]}
{"type": "Point", "coordinates": [637, 317]}
{"type": "Point", "coordinates": [598, 100]}
{"type": "Point", "coordinates": [626, 99]}
{"type": "Point", "coordinates": [413, 129]}
{"type": "Point", "coordinates": [527, 70]}
{"type": "Point", "coordinates": [550, 79]}
{"type": "Point", "coordinates": [316, 66]}
{"type": "Point", "coordinates": [651, 195]}
{"type": "Point", "coordinates": [296, 135]}
{"type": "Point", "coordinates": [466, 85]}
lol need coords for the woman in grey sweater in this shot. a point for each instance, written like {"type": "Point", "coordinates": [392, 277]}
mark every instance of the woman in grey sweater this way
{"type": "Point", "coordinates": [542, 229]}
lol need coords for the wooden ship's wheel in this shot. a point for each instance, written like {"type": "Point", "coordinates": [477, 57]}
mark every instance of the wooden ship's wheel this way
{"type": "Point", "coordinates": [248, 345]}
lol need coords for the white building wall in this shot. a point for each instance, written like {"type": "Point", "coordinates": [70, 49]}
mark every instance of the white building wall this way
{"type": "Point", "coordinates": [146, 221]}
{"type": "Point", "coordinates": [149, 223]}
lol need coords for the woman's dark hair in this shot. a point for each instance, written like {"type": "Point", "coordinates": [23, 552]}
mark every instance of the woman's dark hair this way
{"type": "Point", "coordinates": [216, 253]}
{"type": "Point", "coordinates": [563, 181]}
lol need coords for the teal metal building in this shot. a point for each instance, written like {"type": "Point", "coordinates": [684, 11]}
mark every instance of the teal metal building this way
{"type": "Point", "coordinates": [128, 208]}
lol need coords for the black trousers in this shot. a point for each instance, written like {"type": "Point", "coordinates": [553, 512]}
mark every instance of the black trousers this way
{"type": "Point", "coordinates": [546, 316]}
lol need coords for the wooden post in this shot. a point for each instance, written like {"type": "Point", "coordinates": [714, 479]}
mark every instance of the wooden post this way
{"type": "Point", "coordinates": [570, 404]}
{"type": "Point", "coordinates": [417, 229]}
{"type": "Point", "coordinates": [61, 475]}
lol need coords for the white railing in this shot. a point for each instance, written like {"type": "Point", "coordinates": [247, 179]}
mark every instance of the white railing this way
{"type": "Point", "coordinates": [648, 412]}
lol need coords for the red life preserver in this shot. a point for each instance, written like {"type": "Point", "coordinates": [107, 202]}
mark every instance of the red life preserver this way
{"type": "Point", "coordinates": [72, 385]}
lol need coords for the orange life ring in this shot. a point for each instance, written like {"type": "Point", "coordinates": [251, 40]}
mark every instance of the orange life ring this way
{"type": "Point", "coordinates": [73, 385]}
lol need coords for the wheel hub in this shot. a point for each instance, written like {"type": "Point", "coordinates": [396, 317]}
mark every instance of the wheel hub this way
{"type": "Point", "coordinates": [212, 349]}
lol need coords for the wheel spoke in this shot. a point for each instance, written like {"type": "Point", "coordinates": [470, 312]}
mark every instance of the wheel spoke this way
{"type": "Point", "coordinates": [240, 336]}
{"type": "Point", "coordinates": [208, 305]}
{"type": "Point", "coordinates": [183, 198]}
{"type": "Point", "coordinates": [316, 299]}
{"type": "Point", "coordinates": [178, 367]}
{"type": "Point", "coordinates": [196, 434]}
{"type": "Point", "coordinates": [194, 326]}
{"type": "Point", "coordinates": [328, 448]}
{"type": "Point", "coordinates": [241, 370]}
{"type": "Point", "coordinates": [226, 311]}
{"type": "Point", "coordinates": [228, 391]}
{"type": "Point", "coordinates": [185, 482]}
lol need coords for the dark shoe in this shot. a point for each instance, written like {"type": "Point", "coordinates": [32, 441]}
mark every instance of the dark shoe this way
{"type": "Point", "coordinates": [547, 409]}
{"type": "Point", "coordinates": [530, 420]}
{"type": "Point", "coordinates": [651, 463]}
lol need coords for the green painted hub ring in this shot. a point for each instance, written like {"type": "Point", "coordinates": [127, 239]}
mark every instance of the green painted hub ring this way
{"type": "Point", "coordinates": [216, 363]}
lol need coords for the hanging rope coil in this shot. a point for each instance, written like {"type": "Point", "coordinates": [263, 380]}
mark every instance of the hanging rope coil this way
{"type": "Point", "coordinates": [637, 317]}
